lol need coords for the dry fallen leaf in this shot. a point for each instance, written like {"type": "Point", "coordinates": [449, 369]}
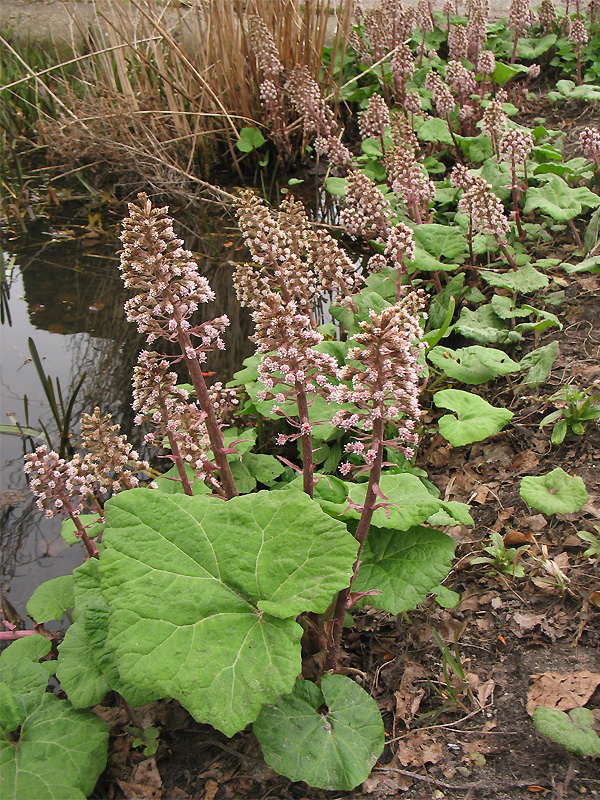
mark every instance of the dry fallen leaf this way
{"type": "Point", "coordinates": [419, 748]}
{"type": "Point", "coordinates": [145, 783]}
{"type": "Point", "coordinates": [561, 690]}
{"type": "Point", "coordinates": [210, 790]}
{"type": "Point", "coordinates": [515, 538]}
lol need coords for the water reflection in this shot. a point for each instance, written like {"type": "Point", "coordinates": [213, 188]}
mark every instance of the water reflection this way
{"type": "Point", "coordinates": [67, 295]}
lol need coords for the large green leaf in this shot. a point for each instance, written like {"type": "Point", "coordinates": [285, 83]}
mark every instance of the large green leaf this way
{"type": "Point", "coordinates": [425, 262]}
{"type": "Point", "coordinates": [526, 279]}
{"type": "Point", "coordinates": [485, 326]}
{"type": "Point", "coordinates": [472, 365]}
{"type": "Point", "coordinates": [407, 502]}
{"type": "Point", "coordinates": [435, 129]}
{"type": "Point", "coordinates": [441, 241]}
{"type": "Point", "coordinates": [574, 730]}
{"type": "Point", "coordinates": [59, 755]}
{"type": "Point", "coordinates": [327, 749]}
{"type": "Point", "coordinates": [557, 492]}
{"type": "Point", "coordinates": [475, 418]}
{"type": "Point", "coordinates": [204, 594]}
{"type": "Point", "coordinates": [404, 566]}
{"type": "Point", "coordinates": [558, 200]}
{"type": "Point", "coordinates": [86, 667]}
{"type": "Point", "coordinates": [52, 599]}
{"type": "Point", "coordinates": [531, 49]}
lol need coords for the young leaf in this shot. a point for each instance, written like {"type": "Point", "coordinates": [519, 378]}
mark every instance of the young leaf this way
{"type": "Point", "coordinates": [555, 198]}
{"type": "Point", "coordinates": [404, 565]}
{"type": "Point", "coordinates": [20, 670]}
{"type": "Point", "coordinates": [485, 326]}
{"type": "Point", "coordinates": [476, 419]}
{"type": "Point", "coordinates": [204, 594]}
{"type": "Point", "coordinates": [554, 493]}
{"type": "Point", "coordinates": [575, 730]}
{"type": "Point", "coordinates": [331, 749]}
{"type": "Point", "coordinates": [472, 365]}
{"type": "Point", "coordinates": [52, 599]}
{"type": "Point", "coordinates": [89, 522]}
{"type": "Point", "coordinates": [435, 129]}
{"type": "Point", "coordinates": [250, 139]}
{"type": "Point", "coordinates": [539, 363]}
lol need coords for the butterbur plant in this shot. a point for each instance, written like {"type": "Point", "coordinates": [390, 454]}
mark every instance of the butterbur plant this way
{"type": "Point", "coordinates": [201, 581]}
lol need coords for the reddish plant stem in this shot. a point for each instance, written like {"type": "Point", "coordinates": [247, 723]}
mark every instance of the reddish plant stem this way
{"type": "Point", "coordinates": [306, 439]}
{"type": "Point", "coordinates": [573, 227]}
{"type": "Point", "coordinates": [507, 255]}
{"type": "Point", "coordinates": [516, 192]}
{"type": "Point", "coordinates": [89, 545]}
{"type": "Point", "coordinates": [514, 50]}
{"type": "Point", "coordinates": [214, 431]}
{"type": "Point", "coordinates": [177, 458]}
{"type": "Point", "coordinates": [343, 599]}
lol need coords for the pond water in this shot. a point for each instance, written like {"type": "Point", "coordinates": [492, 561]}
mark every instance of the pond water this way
{"type": "Point", "coordinates": [66, 294]}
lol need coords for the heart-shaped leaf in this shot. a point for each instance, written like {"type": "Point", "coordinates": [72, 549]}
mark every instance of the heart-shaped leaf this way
{"type": "Point", "coordinates": [555, 198]}
{"type": "Point", "coordinates": [574, 730]}
{"type": "Point", "coordinates": [52, 599]}
{"type": "Point", "coordinates": [554, 493]}
{"type": "Point", "coordinates": [485, 326]}
{"type": "Point", "coordinates": [475, 418]}
{"type": "Point", "coordinates": [441, 241]}
{"type": "Point", "coordinates": [204, 594]}
{"type": "Point", "coordinates": [328, 749]}
{"type": "Point", "coordinates": [405, 566]}
{"type": "Point", "coordinates": [526, 279]}
{"type": "Point", "coordinates": [539, 363]}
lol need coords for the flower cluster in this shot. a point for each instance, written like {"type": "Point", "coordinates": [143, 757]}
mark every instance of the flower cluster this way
{"type": "Point", "coordinates": [381, 379]}
{"type": "Point", "coordinates": [459, 79]}
{"type": "Point", "coordinates": [400, 245]}
{"type": "Point", "coordinates": [484, 208]}
{"type": "Point", "coordinates": [443, 99]}
{"type": "Point", "coordinates": [157, 400]}
{"type": "Point", "coordinates": [516, 145]}
{"type": "Point", "coordinates": [373, 121]}
{"type": "Point", "coordinates": [305, 95]}
{"type": "Point", "coordinates": [487, 62]}
{"type": "Point", "coordinates": [58, 484]}
{"type": "Point", "coordinates": [458, 42]}
{"type": "Point", "coordinates": [578, 34]}
{"type": "Point", "coordinates": [494, 119]}
{"type": "Point", "coordinates": [547, 15]}
{"type": "Point", "coordinates": [477, 30]}
{"type": "Point", "coordinates": [286, 339]}
{"type": "Point", "coordinates": [409, 181]}
{"type": "Point", "coordinates": [169, 288]}
{"type": "Point", "coordinates": [265, 49]}
{"type": "Point", "coordinates": [111, 463]}
{"type": "Point", "coordinates": [367, 212]}
{"type": "Point", "coordinates": [519, 16]}
{"type": "Point", "coordinates": [589, 139]}
{"type": "Point", "coordinates": [402, 67]}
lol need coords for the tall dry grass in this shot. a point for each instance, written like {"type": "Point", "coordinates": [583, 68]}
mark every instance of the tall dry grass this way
{"type": "Point", "coordinates": [168, 86]}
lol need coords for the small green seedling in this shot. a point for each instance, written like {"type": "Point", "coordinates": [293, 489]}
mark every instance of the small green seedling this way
{"type": "Point", "coordinates": [502, 558]}
{"type": "Point", "coordinates": [148, 737]}
{"type": "Point", "coordinates": [593, 540]}
{"type": "Point", "coordinates": [578, 406]}
{"type": "Point", "coordinates": [573, 730]}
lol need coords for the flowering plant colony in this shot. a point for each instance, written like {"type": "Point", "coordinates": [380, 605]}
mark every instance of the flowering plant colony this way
{"type": "Point", "coordinates": [218, 582]}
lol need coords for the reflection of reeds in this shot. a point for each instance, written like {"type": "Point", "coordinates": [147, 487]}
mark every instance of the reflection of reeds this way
{"type": "Point", "coordinates": [168, 88]}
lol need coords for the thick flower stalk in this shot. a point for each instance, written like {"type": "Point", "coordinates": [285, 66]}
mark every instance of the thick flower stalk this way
{"type": "Point", "coordinates": [477, 32]}
{"type": "Point", "coordinates": [291, 369]}
{"type": "Point", "coordinates": [516, 146]}
{"type": "Point", "coordinates": [486, 66]}
{"type": "Point", "coordinates": [305, 96]}
{"type": "Point", "coordinates": [400, 248]}
{"type": "Point", "coordinates": [381, 380]}
{"type": "Point", "coordinates": [159, 402]}
{"type": "Point", "coordinates": [60, 487]}
{"type": "Point", "coordinates": [169, 290]}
